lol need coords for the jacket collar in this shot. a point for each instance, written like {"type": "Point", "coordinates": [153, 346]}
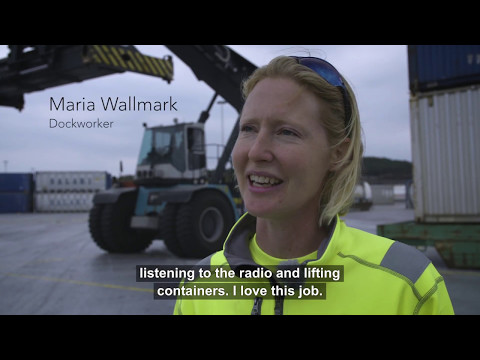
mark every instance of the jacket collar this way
{"type": "Point", "coordinates": [236, 247]}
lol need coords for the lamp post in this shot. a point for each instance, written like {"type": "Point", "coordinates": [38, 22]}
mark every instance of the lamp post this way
{"type": "Point", "coordinates": [221, 102]}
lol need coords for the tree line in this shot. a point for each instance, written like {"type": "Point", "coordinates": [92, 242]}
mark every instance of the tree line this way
{"type": "Point", "coordinates": [383, 170]}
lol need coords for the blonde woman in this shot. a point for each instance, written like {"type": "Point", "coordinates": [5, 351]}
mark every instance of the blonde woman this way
{"type": "Point", "coordinates": [297, 160]}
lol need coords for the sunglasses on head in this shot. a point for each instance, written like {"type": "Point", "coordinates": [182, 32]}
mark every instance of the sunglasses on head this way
{"type": "Point", "coordinates": [329, 74]}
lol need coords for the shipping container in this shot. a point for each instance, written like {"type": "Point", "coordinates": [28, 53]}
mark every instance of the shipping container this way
{"type": "Point", "coordinates": [445, 132]}
{"type": "Point", "coordinates": [16, 192]}
{"type": "Point", "coordinates": [71, 181]}
{"type": "Point", "coordinates": [435, 67]}
{"type": "Point", "coordinates": [15, 202]}
{"type": "Point", "coordinates": [108, 181]}
{"type": "Point", "coordinates": [64, 202]}
{"type": "Point", "coordinates": [399, 192]}
{"type": "Point", "coordinates": [382, 194]}
{"type": "Point", "coordinates": [16, 182]}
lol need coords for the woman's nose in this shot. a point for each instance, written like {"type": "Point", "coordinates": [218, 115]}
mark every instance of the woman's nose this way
{"type": "Point", "coordinates": [261, 149]}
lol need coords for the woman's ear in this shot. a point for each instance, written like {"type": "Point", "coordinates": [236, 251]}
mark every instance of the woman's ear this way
{"type": "Point", "coordinates": [338, 154]}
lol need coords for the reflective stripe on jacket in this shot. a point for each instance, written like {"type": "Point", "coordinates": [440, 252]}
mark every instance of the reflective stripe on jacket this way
{"type": "Point", "coordinates": [381, 276]}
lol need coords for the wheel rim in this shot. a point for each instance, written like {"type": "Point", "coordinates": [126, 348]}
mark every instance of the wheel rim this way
{"type": "Point", "coordinates": [211, 224]}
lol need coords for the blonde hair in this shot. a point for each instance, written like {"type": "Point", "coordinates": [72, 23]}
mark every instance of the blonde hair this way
{"type": "Point", "coordinates": [339, 185]}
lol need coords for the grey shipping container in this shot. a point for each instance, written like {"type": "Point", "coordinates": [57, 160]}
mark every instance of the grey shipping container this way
{"type": "Point", "coordinates": [445, 131]}
{"type": "Point", "coordinates": [64, 202]}
{"type": "Point", "coordinates": [71, 181]}
{"type": "Point", "coordinates": [382, 194]}
{"type": "Point", "coordinates": [435, 67]}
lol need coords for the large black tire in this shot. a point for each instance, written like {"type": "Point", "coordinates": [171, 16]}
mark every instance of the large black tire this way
{"type": "Point", "coordinates": [116, 234]}
{"type": "Point", "coordinates": [95, 226]}
{"type": "Point", "coordinates": [203, 224]}
{"type": "Point", "coordinates": [168, 229]}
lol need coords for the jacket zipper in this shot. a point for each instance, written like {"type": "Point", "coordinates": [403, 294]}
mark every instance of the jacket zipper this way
{"type": "Point", "coordinates": [279, 305]}
{"type": "Point", "coordinates": [257, 306]}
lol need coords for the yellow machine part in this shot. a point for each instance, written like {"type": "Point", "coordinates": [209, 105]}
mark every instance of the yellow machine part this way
{"type": "Point", "coordinates": [128, 58]}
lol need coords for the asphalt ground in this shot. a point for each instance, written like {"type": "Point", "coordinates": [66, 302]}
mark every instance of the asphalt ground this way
{"type": "Point", "coordinates": [49, 265]}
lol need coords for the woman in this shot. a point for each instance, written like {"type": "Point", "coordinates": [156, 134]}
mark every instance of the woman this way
{"type": "Point", "coordinates": [297, 161]}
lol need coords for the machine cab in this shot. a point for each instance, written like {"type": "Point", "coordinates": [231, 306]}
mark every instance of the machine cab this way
{"type": "Point", "coordinates": [173, 154]}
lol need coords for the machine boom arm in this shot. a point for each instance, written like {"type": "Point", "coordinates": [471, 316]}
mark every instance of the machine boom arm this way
{"type": "Point", "coordinates": [31, 68]}
{"type": "Point", "coordinates": [219, 66]}
{"type": "Point", "coordinates": [223, 70]}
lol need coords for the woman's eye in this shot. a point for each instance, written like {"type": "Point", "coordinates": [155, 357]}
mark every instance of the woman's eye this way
{"type": "Point", "coordinates": [287, 132]}
{"type": "Point", "coordinates": [246, 128]}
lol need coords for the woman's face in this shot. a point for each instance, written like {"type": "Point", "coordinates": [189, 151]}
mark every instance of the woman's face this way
{"type": "Point", "coordinates": [281, 156]}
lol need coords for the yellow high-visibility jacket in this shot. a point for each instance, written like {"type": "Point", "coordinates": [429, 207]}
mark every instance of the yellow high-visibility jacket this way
{"type": "Point", "coordinates": [380, 276]}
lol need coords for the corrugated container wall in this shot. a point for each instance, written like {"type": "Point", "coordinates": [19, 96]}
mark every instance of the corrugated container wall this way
{"type": "Point", "coordinates": [63, 202]}
{"type": "Point", "coordinates": [435, 67]}
{"type": "Point", "coordinates": [445, 130]}
{"type": "Point", "coordinates": [71, 181]}
{"type": "Point", "coordinates": [16, 192]}
{"type": "Point", "coordinates": [68, 191]}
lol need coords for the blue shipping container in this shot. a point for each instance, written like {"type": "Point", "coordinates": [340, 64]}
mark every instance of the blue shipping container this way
{"type": "Point", "coordinates": [16, 182]}
{"type": "Point", "coordinates": [108, 181]}
{"type": "Point", "coordinates": [434, 67]}
{"type": "Point", "coordinates": [15, 202]}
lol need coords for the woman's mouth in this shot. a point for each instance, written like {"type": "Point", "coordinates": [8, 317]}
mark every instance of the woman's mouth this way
{"type": "Point", "coordinates": [263, 181]}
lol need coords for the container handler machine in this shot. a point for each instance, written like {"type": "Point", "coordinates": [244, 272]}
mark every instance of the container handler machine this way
{"type": "Point", "coordinates": [174, 197]}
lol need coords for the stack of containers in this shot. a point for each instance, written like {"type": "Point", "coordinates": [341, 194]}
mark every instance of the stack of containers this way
{"type": "Point", "coordinates": [68, 191]}
{"type": "Point", "coordinates": [16, 192]}
{"type": "Point", "coordinates": [445, 130]}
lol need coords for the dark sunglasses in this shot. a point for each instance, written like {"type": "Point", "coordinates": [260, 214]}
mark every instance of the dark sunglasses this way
{"type": "Point", "coordinates": [328, 72]}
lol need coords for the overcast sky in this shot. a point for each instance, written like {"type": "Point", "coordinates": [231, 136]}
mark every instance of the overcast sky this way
{"type": "Point", "coordinates": [377, 73]}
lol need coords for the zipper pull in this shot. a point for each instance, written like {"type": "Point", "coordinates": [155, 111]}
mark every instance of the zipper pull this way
{"type": "Point", "coordinates": [257, 306]}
